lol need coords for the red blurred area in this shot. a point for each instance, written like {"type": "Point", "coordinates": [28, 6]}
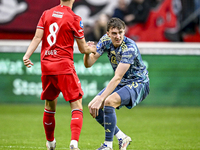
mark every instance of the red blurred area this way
{"type": "Point", "coordinates": [162, 18]}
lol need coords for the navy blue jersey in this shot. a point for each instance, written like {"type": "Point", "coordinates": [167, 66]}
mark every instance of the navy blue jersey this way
{"type": "Point", "coordinates": [128, 52]}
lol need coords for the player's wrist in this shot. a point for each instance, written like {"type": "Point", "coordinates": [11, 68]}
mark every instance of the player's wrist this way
{"type": "Point", "coordinates": [102, 99]}
{"type": "Point", "coordinates": [25, 57]}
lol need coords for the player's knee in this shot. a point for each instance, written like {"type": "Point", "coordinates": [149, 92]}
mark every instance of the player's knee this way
{"type": "Point", "coordinates": [112, 101]}
{"type": "Point", "coordinates": [50, 104]}
{"type": "Point", "coordinates": [108, 102]}
{"type": "Point", "coordinates": [76, 104]}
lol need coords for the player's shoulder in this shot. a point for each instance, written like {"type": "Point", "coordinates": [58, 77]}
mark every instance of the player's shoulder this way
{"type": "Point", "coordinates": [76, 17]}
{"type": "Point", "coordinates": [48, 12]}
{"type": "Point", "coordinates": [129, 41]}
{"type": "Point", "coordinates": [104, 41]}
{"type": "Point", "coordinates": [105, 38]}
{"type": "Point", "coordinates": [128, 44]}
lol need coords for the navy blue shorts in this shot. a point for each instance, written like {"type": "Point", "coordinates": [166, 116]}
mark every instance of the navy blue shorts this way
{"type": "Point", "coordinates": [131, 94]}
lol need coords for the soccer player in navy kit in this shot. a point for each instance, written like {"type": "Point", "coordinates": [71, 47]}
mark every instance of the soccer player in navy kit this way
{"type": "Point", "coordinates": [128, 87]}
{"type": "Point", "coordinates": [57, 29]}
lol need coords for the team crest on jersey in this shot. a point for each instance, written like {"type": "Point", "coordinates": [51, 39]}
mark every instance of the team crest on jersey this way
{"type": "Point", "coordinates": [81, 24]}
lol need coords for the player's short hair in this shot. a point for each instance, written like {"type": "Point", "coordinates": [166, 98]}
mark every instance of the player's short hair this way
{"type": "Point", "coordinates": [115, 23]}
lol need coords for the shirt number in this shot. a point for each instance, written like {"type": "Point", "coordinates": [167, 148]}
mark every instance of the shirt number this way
{"type": "Point", "coordinates": [53, 29]}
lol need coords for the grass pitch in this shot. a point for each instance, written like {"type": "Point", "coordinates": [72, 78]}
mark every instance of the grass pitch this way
{"type": "Point", "coordinates": [151, 128]}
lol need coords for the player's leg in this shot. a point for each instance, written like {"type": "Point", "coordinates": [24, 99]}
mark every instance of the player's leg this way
{"type": "Point", "coordinates": [76, 122]}
{"type": "Point", "coordinates": [49, 123]}
{"type": "Point", "coordinates": [49, 94]}
{"type": "Point", "coordinates": [100, 117]}
{"type": "Point", "coordinates": [125, 97]}
{"type": "Point", "coordinates": [72, 92]}
{"type": "Point", "coordinates": [110, 119]}
{"type": "Point", "coordinates": [120, 97]}
{"type": "Point", "coordinates": [100, 120]}
{"type": "Point", "coordinates": [131, 95]}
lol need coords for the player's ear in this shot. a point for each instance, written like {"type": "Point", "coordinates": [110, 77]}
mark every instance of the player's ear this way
{"type": "Point", "coordinates": [108, 33]}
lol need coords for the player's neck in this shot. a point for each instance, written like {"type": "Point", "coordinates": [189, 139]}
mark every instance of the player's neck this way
{"type": "Point", "coordinates": [68, 3]}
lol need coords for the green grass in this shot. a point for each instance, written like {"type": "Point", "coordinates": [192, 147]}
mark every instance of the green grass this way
{"type": "Point", "coordinates": [151, 128]}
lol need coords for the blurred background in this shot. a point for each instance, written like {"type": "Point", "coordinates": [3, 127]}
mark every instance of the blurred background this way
{"type": "Point", "coordinates": [167, 33]}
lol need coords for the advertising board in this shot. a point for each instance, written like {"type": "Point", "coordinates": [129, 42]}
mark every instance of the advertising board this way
{"type": "Point", "coordinates": [174, 79]}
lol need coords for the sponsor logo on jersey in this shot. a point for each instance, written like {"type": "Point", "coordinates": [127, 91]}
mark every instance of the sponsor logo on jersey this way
{"type": "Point", "coordinates": [57, 14]}
{"type": "Point", "coordinates": [81, 24]}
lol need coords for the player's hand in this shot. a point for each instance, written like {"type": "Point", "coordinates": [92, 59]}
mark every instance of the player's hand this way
{"type": "Point", "coordinates": [27, 62]}
{"type": "Point", "coordinates": [94, 106]}
{"type": "Point", "coordinates": [92, 45]}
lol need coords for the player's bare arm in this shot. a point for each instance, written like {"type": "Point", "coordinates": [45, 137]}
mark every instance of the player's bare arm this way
{"type": "Point", "coordinates": [90, 59]}
{"type": "Point", "coordinates": [32, 47]}
{"type": "Point", "coordinates": [84, 48]}
{"type": "Point", "coordinates": [97, 101]}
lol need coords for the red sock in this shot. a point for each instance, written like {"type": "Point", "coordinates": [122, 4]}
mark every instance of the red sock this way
{"type": "Point", "coordinates": [76, 124]}
{"type": "Point", "coordinates": [49, 124]}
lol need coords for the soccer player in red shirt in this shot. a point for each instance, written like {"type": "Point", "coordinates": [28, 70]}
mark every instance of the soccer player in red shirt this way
{"type": "Point", "coordinates": [57, 29]}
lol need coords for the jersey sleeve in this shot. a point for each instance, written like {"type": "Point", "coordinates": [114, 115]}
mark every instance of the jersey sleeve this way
{"type": "Point", "coordinates": [103, 44]}
{"type": "Point", "coordinates": [77, 27]}
{"type": "Point", "coordinates": [40, 24]}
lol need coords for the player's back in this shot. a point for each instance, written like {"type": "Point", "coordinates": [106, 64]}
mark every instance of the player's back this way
{"type": "Point", "coordinates": [60, 28]}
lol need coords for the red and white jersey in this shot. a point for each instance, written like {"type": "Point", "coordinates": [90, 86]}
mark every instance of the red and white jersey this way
{"type": "Point", "coordinates": [61, 25]}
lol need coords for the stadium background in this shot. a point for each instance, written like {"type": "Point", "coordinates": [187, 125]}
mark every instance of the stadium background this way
{"type": "Point", "coordinates": [173, 66]}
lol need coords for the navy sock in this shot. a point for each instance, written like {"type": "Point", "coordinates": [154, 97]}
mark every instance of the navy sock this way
{"type": "Point", "coordinates": [110, 121]}
{"type": "Point", "coordinates": [100, 120]}
{"type": "Point", "coordinates": [100, 117]}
